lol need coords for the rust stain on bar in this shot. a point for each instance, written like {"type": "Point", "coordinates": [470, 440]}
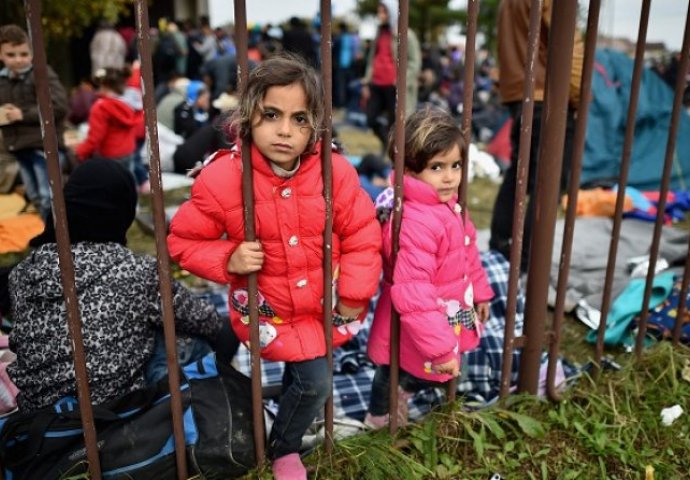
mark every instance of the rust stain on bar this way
{"type": "Point", "coordinates": [327, 173]}
{"type": "Point", "coordinates": [574, 187]}
{"type": "Point", "coordinates": [661, 207]}
{"type": "Point", "coordinates": [398, 161]}
{"type": "Point", "coordinates": [50, 144]}
{"type": "Point", "coordinates": [250, 236]}
{"type": "Point", "coordinates": [509, 341]}
{"type": "Point", "coordinates": [561, 39]}
{"type": "Point", "coordinates": [162, 256]}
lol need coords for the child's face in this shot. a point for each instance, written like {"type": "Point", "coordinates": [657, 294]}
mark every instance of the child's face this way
{"type": "Point", "coordinates": [443, 172]}
{"type": "Point", "coordinates": [281, 131]}
{"type": "Point", "coordinates": [16, 57]}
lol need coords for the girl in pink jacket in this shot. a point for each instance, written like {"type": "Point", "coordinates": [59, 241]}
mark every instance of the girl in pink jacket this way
{"type": "Point", "coordinates": [438, 286]}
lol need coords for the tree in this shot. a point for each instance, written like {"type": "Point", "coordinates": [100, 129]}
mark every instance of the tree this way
{"type": "Point", "coordinates": [428, 18]}
{"type": "Point", "coordinates": [64, 19]}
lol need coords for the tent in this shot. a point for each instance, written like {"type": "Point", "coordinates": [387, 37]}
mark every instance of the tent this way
{"type": "Point", "coordinates": [606, 127]}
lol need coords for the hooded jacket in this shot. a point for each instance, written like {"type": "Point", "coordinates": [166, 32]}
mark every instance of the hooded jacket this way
{"type": "Point", "coordinates": [438, 274]}
{"type": "Point", "coordinates": [113, 128]}
{"type": "Point", "coordinates": [120, 311]}
{"type": "Point", "coordinates": [289, 218]}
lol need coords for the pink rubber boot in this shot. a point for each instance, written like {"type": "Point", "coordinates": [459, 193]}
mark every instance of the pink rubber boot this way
{"type": "Point", "coordinates": [376, 422]}
{"type": "Point", "coordinates": [289, 467]}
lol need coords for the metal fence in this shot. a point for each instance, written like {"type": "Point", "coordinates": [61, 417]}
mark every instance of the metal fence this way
{"type": "Point", "coordinates": [546, 194]}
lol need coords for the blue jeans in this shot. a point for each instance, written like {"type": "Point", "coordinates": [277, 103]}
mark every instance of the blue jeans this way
{"type": "Point", "coordinates": [306, 387]}
{"type": "Point", "coordinates": [380, 388]}
{"type": "Point", "coordinates": [189, 349]}
{"type": "Point", "coordinates": [34, 172]}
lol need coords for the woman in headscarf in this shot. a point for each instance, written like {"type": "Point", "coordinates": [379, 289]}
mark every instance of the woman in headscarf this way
{"type": "Point", "coordinates": [117, 291]}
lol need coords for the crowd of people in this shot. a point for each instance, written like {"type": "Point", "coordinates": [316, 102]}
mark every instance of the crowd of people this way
{"type": "Point", "coordinates": [438, 284]}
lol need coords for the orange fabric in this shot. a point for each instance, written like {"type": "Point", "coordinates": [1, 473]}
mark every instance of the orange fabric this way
{"type": "Point", "coordinates": [16, 232]}
{"type": "Point", "coordinates": [598, 203]}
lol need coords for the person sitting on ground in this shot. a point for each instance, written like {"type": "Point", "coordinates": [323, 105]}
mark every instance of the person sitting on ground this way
{"type": "Point", "coordinates": [207, 138]}
{"type": "Point", "coordinates": [117, 291]}
{"type": "Point", "coordinates": [192, 114]}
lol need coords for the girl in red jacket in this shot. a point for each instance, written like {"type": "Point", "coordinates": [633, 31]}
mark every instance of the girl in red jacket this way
{"type": "Point", "coordinates": [438, 287]}
{"type": "Point", "coordinates": [115, 120]}
{"type": "Point", "coordinates": [281, 115]}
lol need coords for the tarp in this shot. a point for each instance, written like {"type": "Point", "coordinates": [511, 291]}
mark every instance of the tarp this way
{"type": "Point", "coordinates": [606, 127]}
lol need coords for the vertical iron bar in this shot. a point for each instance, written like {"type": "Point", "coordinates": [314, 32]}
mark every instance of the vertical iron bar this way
{"type": "Point", "coordinates": [398, 161]}
{"type": "Point", "coordinates": [561, 36]}
{"type": "Point", "coordinates": [468, 93]}
{"type": "Point", "coordinates": [50, 144]}
{"type": "Point", "coordinates": [682, 308]}
{"type": "Point", "coordinates": [574, 187]}
{"type": "Point", "coordinates": [622, 181]}
{"type": "Point", "coordinates": [250, 236]}
{"type": "Point", "coordinates": [520, 193]}
{"type": "Point", "coordinates": [327, 172]}
{"type": "Point", "coordinates": [162, 256]}
{"type": "Point", "coordinates": [665, 180]}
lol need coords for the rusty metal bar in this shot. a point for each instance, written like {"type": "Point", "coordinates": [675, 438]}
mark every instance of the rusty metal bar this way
{"type": "Point", "coordinates": [468, 93]}
{"type": "Point", "coordinates": [574, 187]}
{"type": "Point", "coordinates": [661, 207]}
{"type": "Point", "coordinates": [520, 194]}
{"type": "Point", "coordinates": [327, 172]}
{"type": "Point", "coordinates": [398, 162]}
{"type": "Point", "coordinates": [162, 256]}
{"type": "Point", "coordinates": [50, 145]}
{"type": "Point", "coordinates": [681, 305]}
{"type": "Point", "coordinates": [547, 189]}
{"type": "Point", "coordinates": [250, 236]}
{"type": "Point", "coordinates": [622, 181]}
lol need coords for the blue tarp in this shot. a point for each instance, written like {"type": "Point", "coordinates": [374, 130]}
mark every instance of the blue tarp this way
{"type": "Point", "coordinates": [606, 127]}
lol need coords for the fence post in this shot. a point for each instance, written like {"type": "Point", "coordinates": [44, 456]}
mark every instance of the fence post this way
{"type": "Point", "coordinates": [561, 39]}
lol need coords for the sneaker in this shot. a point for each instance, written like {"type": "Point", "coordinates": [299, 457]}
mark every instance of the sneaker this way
{"type": "Point", "coordinates": [289, 467]}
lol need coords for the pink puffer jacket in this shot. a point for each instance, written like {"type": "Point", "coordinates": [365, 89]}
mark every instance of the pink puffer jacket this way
{"type": "Point", "coordinates": [438, 274]}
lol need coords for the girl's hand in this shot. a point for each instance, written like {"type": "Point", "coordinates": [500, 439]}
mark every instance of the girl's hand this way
{"type": "Point", "coordinates": [248, 257]}
{"type": "Point", "coordinates": [483, 311]}
{"type": "Point", "coordinates": [346, 311]}
{"type": "Point", "coordinates": [452, 368]}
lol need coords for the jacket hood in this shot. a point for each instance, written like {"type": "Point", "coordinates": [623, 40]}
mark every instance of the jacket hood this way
{"type": "Point", "coordinates": [119, 109]}
{"type": "Point", "coordinates": [37, 278]}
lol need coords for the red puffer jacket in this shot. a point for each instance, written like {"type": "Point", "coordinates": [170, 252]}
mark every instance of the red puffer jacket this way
{"type": "Point", "coordinates": [290, 217]}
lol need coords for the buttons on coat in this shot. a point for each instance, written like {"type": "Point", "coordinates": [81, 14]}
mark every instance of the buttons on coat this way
{"type": "Point", "coordinates": [286, 192]}
{"type": "Point", "coordinates": [293, 241]}
{"type": "Point", "coordinates": [457, 208]}
{"type": "Point", "coordinates": [467, 240]}
{"type": "Point", "coordinates": [302, 283]}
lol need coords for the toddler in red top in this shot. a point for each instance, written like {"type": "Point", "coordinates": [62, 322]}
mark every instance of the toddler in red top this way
{"type": "Point", "coordinates": [281, 114]}
{"type": "Point", "coordinates": [115, 120]}
{"type": "Point", "coordinates": [438, 285]}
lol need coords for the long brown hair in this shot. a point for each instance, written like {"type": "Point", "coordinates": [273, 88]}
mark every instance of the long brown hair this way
{"type": "Point", "coordinates": [279, 71]}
